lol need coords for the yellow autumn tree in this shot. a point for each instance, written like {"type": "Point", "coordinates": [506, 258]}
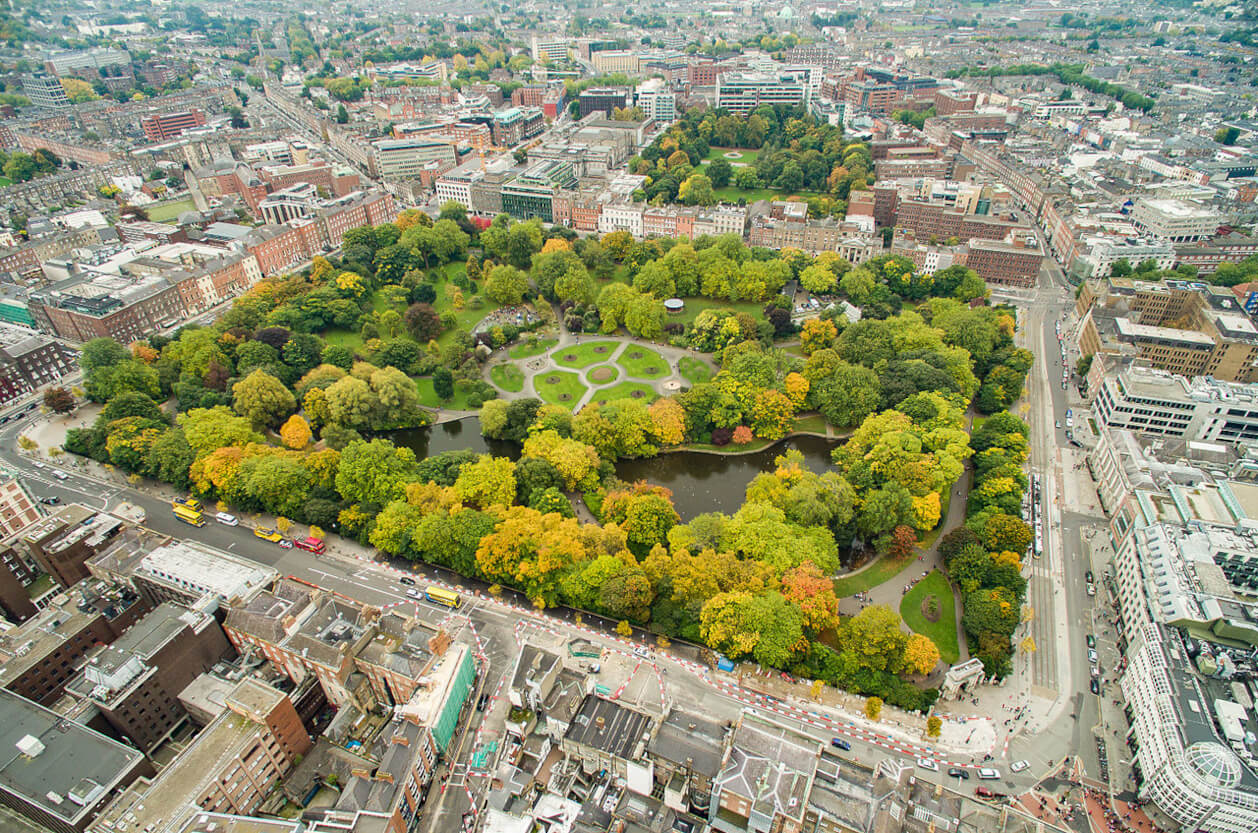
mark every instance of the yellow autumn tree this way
{"type": "Point", "coordinates": [926, 511]}
{"type": "Point", "coordinates": [920, 655]}
{"type": "Point", "coordinates": [556, 244]}
{"type": "Point", "coordinates": [796, 389]}
{"type": "Point", "coordinates": [296, 432]}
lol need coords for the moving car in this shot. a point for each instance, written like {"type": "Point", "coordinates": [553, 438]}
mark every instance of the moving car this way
{"type": "Point", "coordinates": [1018, 766]}
{"type": "Point", "coordinates": [989, 774]}
{"type": "Point", "coordinates": [406, 580]}
{"type": "Point", "coordinates": [60, 475]}
{"type": "Point", "coordinates": [958, 772]}
{"type": "Point", "coordinates": [285, 544]}
{"type": "Point", "coordinates": [50, 501]}
{"type": "Point", "coordinates": [927, 763]}
{"type": "Point", "coordinates": [1059, 423]}
{"type": "Point", "coordinates": [839, 743]}
{"type": "Point", "coordinates": [38, 464]}
{"type": "Point", "coordinates": [268, 534]}
{"type": "Point", "coordinates": [227, 519]}
{"type": "Point", "coordinates": [414, 594]}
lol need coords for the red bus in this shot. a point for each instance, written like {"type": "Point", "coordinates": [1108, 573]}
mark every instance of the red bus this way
{"type": "Point", "coordinates": [310, 544]}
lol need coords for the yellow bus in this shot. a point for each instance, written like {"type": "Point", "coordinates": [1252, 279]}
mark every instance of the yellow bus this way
{"type": "Point", "coordinates": [189, 516]}
{"type": "Point", "coordinates": [187, 502]}
{"type": "Point", "coordinates": [441, 596]}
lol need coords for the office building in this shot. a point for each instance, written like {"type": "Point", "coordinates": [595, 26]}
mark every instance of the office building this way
{"type": "Point", "coordinates": [231, 766]}
{"type": "Point", "coordinates": [292, 203]}
{"type": "Point", "coordinates": [1156, 402]}
{"type": "Point", "coordinates": [1193, 740]}
{"type": "Point", "coordinates": [42, 655]}
{"type": "Point", "coordinates": [135, 682]}
{"type": "Point", "coordinates": [410, 158]}
{"type": "Point", "coordinates": [1176, 221]}
{"type": "Point", "coordinates": [615, 62]}
{"type": "Point", "coordinates": [1015, 261]}
{"type": "Point", "coordinates": [46, 91]}
{"type": "Point", "coordinates": [551, 48]}
{"type": "Point", "coordinates": [159, 127]}
{"type": "Point", "coordinates": [1207, 255]}
{"type": "Point", "coordinates": [63, 542]}
{"type": "Point", "coordinates": [184, 572]}
{"type": "Point", "coordinates": [657, 101]}
{"type": "Point", "coordinates": [531, 194]}
{"type": "Point", "coordinates": [1104, 252]}
{"type": "Point", "coordinates": [517, 124]}
{"type": "Point", "coordinates": [742, 92]}
{"type": "Point", "coordinates": [602, 100]}
{"type": "Point", "coordinates": [56, 772]}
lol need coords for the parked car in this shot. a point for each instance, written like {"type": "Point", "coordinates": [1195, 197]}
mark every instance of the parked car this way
{"type": "Point", "coordinates": [227, 519]}
{"type": "Point", "coordinates": [1091, 589]}
{"type": "Point", "coordinates": [958, 772]}
{"type": "Point", "coordinates": [1018, 766]}
{"type": "Point", "coordinates": [1088, 577]}
{"type": "Point", "coordinates": [839, 743]}
{"type": "Point", "coordinates": [989, 774]}
{"type": "Point", "coordinates": [406, 580]}
{"type": "Point", "coordinates": [1095, 686]}
{"type": "Point", "coordinates": [50, 501]}
{"type": "Point", "coordinates": [268, 534]}
{"type": "Point", "coordinates": [1092, 655]}
{"type": "Point", "coordinates": [984, 792]}
{"type": "Point", "coordinates": [1091, 641]}
{"type": "Point", "coordinates": [286, 544]}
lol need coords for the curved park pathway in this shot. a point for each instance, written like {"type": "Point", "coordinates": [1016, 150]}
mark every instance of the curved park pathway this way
{"type": "Point", "coordinates": [545, 363]}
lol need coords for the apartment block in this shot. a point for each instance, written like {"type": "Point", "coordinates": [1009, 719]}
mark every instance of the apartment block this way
{"type": "Point", "coordinates": [43, 654]}
{"type": "Point", "coordinates": [1207, 255]}
{"type": "Point", "coordinates": [1201, 409]}
{"type": "Point", "coordinates": [230, 767]}
{"type": "Point", "coordinates": [1015, 261]}
{"type": "Point", "coordinates": [18, 585]}
{"type": "Point", "coordinates": [46, 91]}
{"type": "Point", "coordinates": [62, 543]}
{"type": "Point", "coordinates": [135, 682]}
{"type": "Point", "coordinates": [1177, 221]}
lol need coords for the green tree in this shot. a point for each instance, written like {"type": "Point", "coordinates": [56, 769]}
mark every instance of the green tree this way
{"type": "Point", "coordinates": [374, 472]}
{"type": "Point", "coordinates": [506, 285]}
{"type": "Point", "coordinates": [488, 481]}
{"type": "Point", "coordinates": [443, 383]}
{"type": "Point", "coordinates": [263, 399]}
{"type": "Point", "coordinates": [696, 190]}
{"type": "Point", "coordinates": [720, 172]}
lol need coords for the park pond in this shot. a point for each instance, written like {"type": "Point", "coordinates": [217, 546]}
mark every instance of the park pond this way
{"type": "Point", "coordinates": [700, 481]}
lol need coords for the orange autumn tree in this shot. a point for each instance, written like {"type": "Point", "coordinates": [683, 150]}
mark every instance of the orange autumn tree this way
{"type": "Point", "coordinates": [813, 593]}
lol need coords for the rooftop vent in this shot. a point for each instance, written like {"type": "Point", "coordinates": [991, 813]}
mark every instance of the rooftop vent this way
{"type": "Point", "coordinates": [30, 746]}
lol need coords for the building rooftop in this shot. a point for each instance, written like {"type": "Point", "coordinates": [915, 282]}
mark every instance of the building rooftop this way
{"type": "Point", "coordinates": [202, 822]}
{"type": "Point", "coordinates": [1190, 338]}
{"type": "Point", "coordinates": [198, 569]}
{"type": "Point", "coordinates": [69, 768]}
{"type": "Point", "coordinates": [610, 727]}
{"type": "Point", "coordinates": [770, 764]}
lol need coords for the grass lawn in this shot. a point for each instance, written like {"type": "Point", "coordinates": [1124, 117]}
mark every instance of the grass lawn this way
{"type": "Point", "coordinates": [942, 631]}
{"type": "Point", "coordinates": [508, 377]}
{"type": "Point", "coordinates": [586, 354]}
{"type": "Point", "coordinates": [4, 180]}
{"type": "Point", "coordinates": [559, 387]}
{"type": "Point", "coordinates": [643, 362]}
{"type": "Point", "coordinates": [602, 374]}
{"type": "Point", "coordinates": [526, 348]}
{"type": "Point", "coordinates": [745, 156]}
{"type": "Point", "coordinates": [694, 370]}
{"type": "Point", "coordinates": [732, 194]}
{"type": "Point", "coordinates": [814, 423]}
{"type": "Point", "coordinates": [39, 586]}
{"type": "Point", "coordinates": [694, 306]}
{"type": "Point", "coordinates": [345, 338]}
{"type": "Point", "coordinates": [626, 390]}
{"type": "Point", "coordinates": [884, 569]}
{"type": "Point", "coordinates": [170, 210]}
{"type": "Point", "coordinates": [428, 397]}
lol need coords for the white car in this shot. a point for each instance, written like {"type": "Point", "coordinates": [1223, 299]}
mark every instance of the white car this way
{"type": "Point", "coordinates": [927, 763]}
{"type": "Point", "coordinates": [60, 475]}
{"type": "Point", "coordinates": [1018, 766]}
{"type": "Point", "coordinates": [38, 464]}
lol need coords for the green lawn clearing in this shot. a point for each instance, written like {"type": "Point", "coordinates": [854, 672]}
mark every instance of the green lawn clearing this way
{"type": "Point", "coordinates": [602, 374]}
{"type": "Point", "coordinates": [745, 156]}
{"type": "Point", "coordinates": [559, 387]}
{"type": "Point", "coordinates": [508, 377]}
{"type": "Point", "coordinates": [428, 397]}
{"type": "Point", "coordinates": [585, 354]}
{"type": "Point", "coordinates": [4, 180]}
{"type": "Point", "coordinates": [812, 423]}
{"type": "Point", "coordinates": [643, 362]}
{"type": "Point", "coordinates": [732, 194]}
{"type": "Point", "coordinates": [929, 610]}
{"type": "Point", "coordinates": [695, 371]}
{"type": "Point", "coordinates": [169, 210]}
{"type": "Point", "coordinates": [627, 390]}
{"type": "Point", "coordinates": [884, 569]}
{"type": "Point", "coordinates": [532, 347]}
{"type": "Point", "coordinates": [694, 306]}
{"type": "Point", "coordinates": [344, 338]}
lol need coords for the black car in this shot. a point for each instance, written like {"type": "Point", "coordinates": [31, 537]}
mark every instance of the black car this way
{"type": "Point", "coordinates": [51, 501]}
{"type": "Point", "coordinates": [1091, 641]}
{"type": "Point", "coordinates": [957, 772]}
{"type": "Point", "coordinates": [406, 580]}
{"type": "Point", "coordinates": [1088, 576]}
{"type": "Point", "coordinates": [1095, 686]}
{"type": "Point", "coordinates": [839, 743]}
{"type": "Point", "coordinates": [482, 702]}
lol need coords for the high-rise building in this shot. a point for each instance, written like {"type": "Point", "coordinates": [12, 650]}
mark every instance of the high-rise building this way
{"type": "Point", "coordinates": [531, 194]}
{"type": "Point", "coordinates": [602, 99]}
{"type": "Point", "coordinates": [46, 91]}
{"type": "Point", "coordinates": [657, 101]}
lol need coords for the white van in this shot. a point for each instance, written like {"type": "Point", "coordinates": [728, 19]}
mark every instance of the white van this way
{"type": "Point", "coordinates": [227, 519]}
{"type": "Point", "coordinates": [989, 774]}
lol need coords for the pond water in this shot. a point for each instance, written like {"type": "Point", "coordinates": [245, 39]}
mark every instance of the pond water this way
{"type": "Point", "coordinates": [700, 482]}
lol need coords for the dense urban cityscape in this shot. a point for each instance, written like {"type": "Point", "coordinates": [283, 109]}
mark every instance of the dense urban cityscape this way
{"type": "Point", "coordinates": [762, 417]}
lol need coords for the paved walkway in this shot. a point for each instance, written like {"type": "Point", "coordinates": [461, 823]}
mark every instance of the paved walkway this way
{"type": "Point", "coordinates": [545, 363]}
